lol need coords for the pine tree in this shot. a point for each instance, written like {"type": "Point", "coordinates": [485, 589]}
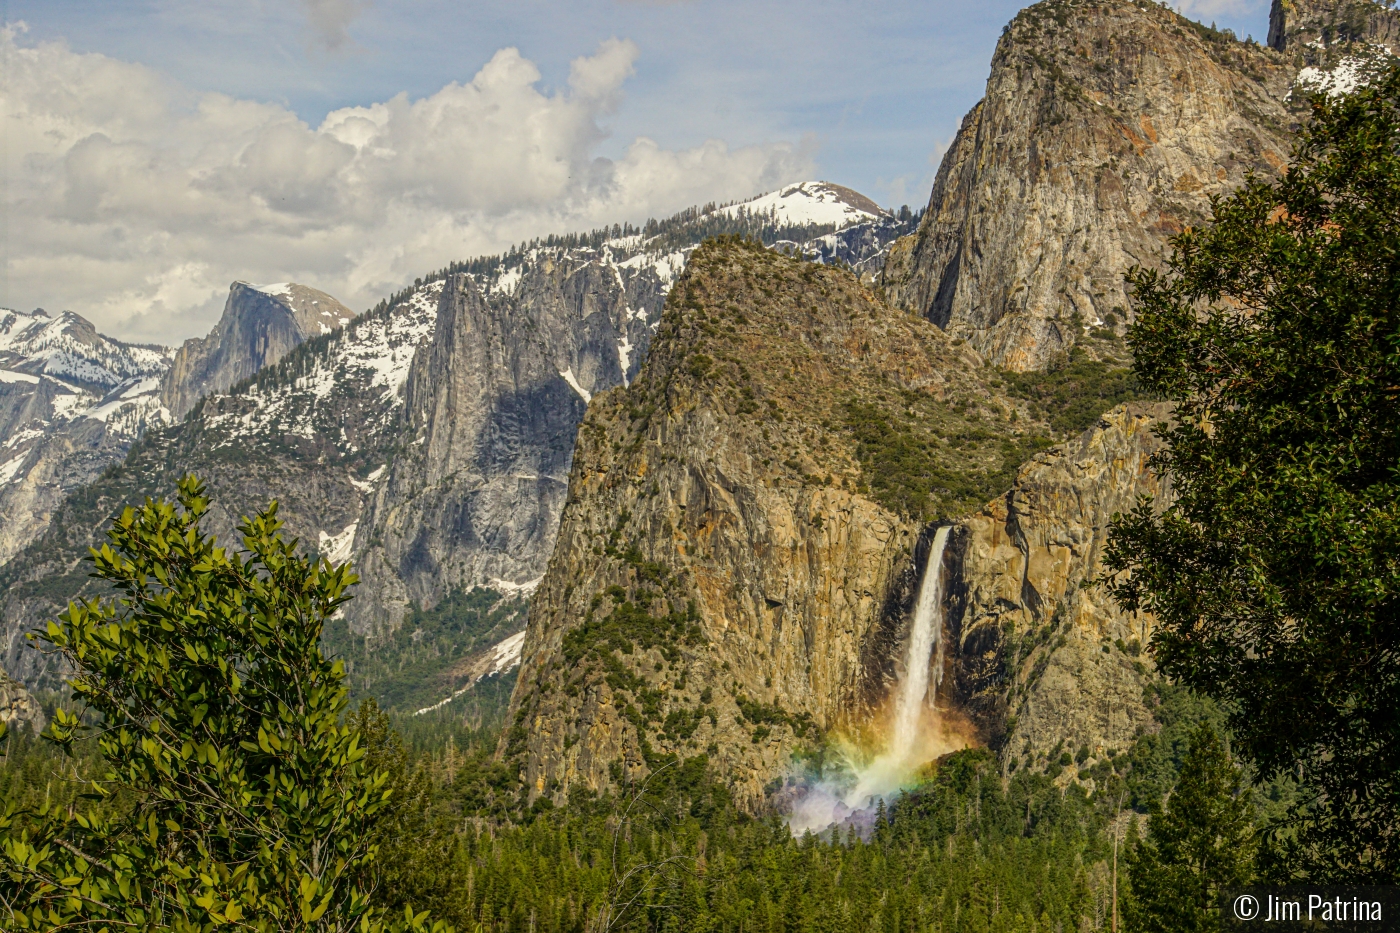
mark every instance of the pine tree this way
{"type": "Point", "coordinates": [1199, 843]}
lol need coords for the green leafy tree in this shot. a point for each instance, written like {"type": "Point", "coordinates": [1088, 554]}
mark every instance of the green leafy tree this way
{"type": "Point", "coordinates": [1274, 574]}
{"type": "Point", "coordinates": [1201, 842]}
{"type": "Point", "coordinates": [218, 715]}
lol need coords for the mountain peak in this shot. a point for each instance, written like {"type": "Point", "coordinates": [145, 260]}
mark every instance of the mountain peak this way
{"type": "Point", "coordinates": [315, 311]}
{"type": "Point", "coordinates": [811, 203]}
{"type": "Point", "coordinates": [260, 324]}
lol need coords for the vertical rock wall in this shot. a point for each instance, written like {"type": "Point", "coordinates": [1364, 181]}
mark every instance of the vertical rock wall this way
{"type": "Point", "coordinates": [1044, 655]}
{"type": "Point", "coordinates": [1105, 129]}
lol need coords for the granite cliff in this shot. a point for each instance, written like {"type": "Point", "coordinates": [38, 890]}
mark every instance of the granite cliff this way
{"type": "Point", "coordinates": [18, 708]}
{"type": "Point", "coordinates": [1313, 31]}
{"type": "Point", "coordinates": [260, 324]}
{"type": "Point", "coordinates": [1106, 127]}
{"type": "Point", "coordinates": [1044, 658]}
{"type": "Point", "coordinates": [745, 526]}
{"type": "Point", "coordinates": [73, 401]}
{"type": "Point", "coordinates": [428, 439]}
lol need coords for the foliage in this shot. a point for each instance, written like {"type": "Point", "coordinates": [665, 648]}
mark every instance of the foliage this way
{"type": "Point", "coordinates": [220, 717]}
{"type": "Point", "coordinates": [906, 463]}
{"type": "Point", "coordinates": [411, 667]}
{"type": "Point", "coordinates": [1199, 844]}
{"type": "Point", "coordinates": [1156, 758]}
{"type": "Point", "coordinates": [963, 854]}
{"type": "Point", "coordinates": [1273, 574]}
{"type": "Point", "coordinates": [1074, 393]}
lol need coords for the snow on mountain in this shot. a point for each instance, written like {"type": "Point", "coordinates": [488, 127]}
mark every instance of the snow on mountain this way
{"type": "Point", "coordinates": [811, 203]}
{"type": "Point", "coordinates": [69, 349]}
{"type": "Point", "coordinates": [1366, 65]}
{"type": "Point", "coordinates": [501, 658]}
{"type": "Point", "coordinates": [371, 355]}
{"type": "Point", "coordinates": [71, 401]}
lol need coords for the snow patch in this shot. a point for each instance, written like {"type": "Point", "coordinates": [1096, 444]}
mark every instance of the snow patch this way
{"type": "Point", "coordinates": [7, 375]}
{"type": "Point", "coordinates": [366, 484]}
{"type": "Point", "coordinates": [10, 468]}
{"type": "Point", "coordinates": [142, 390]}
{"type": "Point", "coordinates": [23, 436]}
{"type": "Point", "coordinates": [508, 281]}
{"type": "Point", "coordinates": [506, 588]}
{"type": "Point", "coordinates": [68, 405]}
{"type": "Point", "coordinates": [276, 290]}
{"type": "Point", "coordinates": [624, 357]}
{"type": "Point", "coordinates": [1347, 76]}
{"type": "Point", "coordinates": [508, 654]}
{"type": "Point", "coordinates": [505, 658]}
{"type": "Point", "coordinates": [336, 548]}
{"type": "Point", "coordinates": [583, 393]}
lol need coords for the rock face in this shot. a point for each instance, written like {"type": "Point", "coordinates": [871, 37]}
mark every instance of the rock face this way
{"type": "Point", "coordinates": [729, 576]}
{"type": "Point", "coordinates": [18, 708]}
{"type": "Point", "coordinates": [260, 324]}
{"type": "Point", "coordinates": [1043, 654]}
{"type": "Point", "coordinates": [1312, 28]}
{"type": "Point", "coordinates": [72, 401]}
{"type": "Point", "coordinates": [1106, 127]}
{"type": "Point", "coordinates": [310, 431]}
{"type": "Point", "coordinates": [492, 406]}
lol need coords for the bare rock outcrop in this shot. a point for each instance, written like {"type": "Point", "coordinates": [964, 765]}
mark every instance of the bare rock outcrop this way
{"type": "Point", "coordinates": [1045, 656]}
{"type": "Point", "coordinates": [1106, 127]}
{"type": "Point", "coordinates": [260, 324]}
{"type": "Point", "coordinates": [1310, 29]}
{"type": "Point", "coordinates": [733, 570]}
{"type": "Point", "coordinates": [18, 708]}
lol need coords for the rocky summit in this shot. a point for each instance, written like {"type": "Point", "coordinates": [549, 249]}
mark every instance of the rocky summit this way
{"type": "Point", "coordinates": [1106, 127]}
{"type": "Point", "coordinates": [259, 325]}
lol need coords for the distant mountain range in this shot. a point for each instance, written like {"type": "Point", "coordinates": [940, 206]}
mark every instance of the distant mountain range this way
{"type": "Point", "coordinates": [429, 438]}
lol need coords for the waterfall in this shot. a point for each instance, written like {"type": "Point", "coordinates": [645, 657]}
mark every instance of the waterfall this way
{"type": "Point", "coordinates": [914, 737]}
{"type": "Point", "coordinates": [923, 662]}
{"type": "Point", "coordinates": [925, 639]}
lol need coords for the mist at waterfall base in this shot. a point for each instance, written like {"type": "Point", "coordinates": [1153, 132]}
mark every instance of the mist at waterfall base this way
{"type": "Point", "coordinates": [914, 731]}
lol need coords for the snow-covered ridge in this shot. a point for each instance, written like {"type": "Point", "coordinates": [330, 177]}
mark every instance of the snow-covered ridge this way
{"type": "Point", "coordinates": [810, 203]}
{"type": "Point", "coordinates": [805, 204]}
{"type": "Point", "coordinates": [70, 349]}
{"type": "Point", "coordinates": [79, 375]}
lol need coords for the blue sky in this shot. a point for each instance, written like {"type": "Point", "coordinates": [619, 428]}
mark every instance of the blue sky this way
{"type": "Point", "coordinates": [733, 96]}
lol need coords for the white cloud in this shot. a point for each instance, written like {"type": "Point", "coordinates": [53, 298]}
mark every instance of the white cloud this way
{"type": "Point", "coordinates": [135, 201]}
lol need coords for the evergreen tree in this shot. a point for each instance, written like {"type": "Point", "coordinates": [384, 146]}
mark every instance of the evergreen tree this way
{"type": "Point", "coordinates": [1199, 843]}
{"type": "Point", "coordinates": [1273, 575]}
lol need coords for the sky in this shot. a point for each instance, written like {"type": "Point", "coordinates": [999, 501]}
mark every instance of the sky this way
{"type": "Point", "coordinates": [154, 151]}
